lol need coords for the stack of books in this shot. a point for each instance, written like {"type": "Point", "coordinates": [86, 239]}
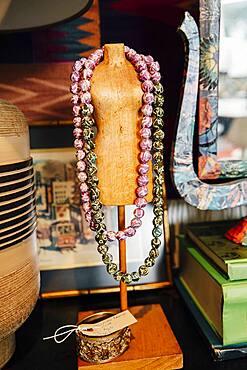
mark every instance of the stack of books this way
{"type": "Point", "coordinates": [213, 283]}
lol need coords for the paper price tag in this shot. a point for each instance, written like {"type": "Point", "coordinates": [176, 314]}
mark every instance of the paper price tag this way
{"type": "Point", "coordinates": [110, 325]}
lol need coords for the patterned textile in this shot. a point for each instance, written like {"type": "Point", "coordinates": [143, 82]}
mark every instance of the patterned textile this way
{"type": "Point", "coordinates": [35, 66]}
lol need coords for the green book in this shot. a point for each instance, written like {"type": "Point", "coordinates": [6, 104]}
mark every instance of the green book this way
{"type": "Point", "coordinates": [222, 302]}
{"type": "Point", "coordinates": [230, 257]}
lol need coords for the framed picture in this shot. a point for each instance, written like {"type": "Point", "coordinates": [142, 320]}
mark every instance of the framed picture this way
{"type": "Point", "coordinates": [69, 261]}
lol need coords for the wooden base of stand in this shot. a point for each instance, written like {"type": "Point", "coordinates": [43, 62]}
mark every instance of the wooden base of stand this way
{"type": "Point", "coordinates": [153, 345]}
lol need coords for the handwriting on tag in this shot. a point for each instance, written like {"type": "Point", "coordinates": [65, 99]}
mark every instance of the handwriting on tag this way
{"type": "Point", "coordinates": [110, 325]}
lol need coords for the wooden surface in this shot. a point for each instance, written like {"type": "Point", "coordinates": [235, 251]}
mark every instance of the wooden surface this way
{"type": "Point", "coordinates": [153, 346]}
{"type": "Point", "coordinates": [117, 98]}
{"type": "Point", "coordinates": [122, 259]}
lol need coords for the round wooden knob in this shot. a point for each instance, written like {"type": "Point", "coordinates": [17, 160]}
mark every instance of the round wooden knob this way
{"type": "Point", "coordinates": [117, 98]}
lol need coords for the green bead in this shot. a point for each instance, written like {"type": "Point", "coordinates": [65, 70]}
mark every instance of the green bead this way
{"type": "Point", "coordinates": [91, 169]}
{"type": "Point", "coordinates": [155, 243]}
{"type": "Point", "coordinates": [96, 205]}
{"type": "Point", "coordinates": [154, 253]}
{"type": "Point", "coordinates": [158, 135]}
{"type": "Point", "coordinates": [93, 179]}
{"type": "Point", "coordinates": [94, 193]}
{"type": "Point", "coordinates": [107, 258]}
{"type": "Point", "coordinates": [100, 238]}
{"type": "Point", "coordinates": [91, 157]}
{"type": "Point", "coordinates": [102, 249]}
{"type": "Point", "coordinates": [100, 227]}
{"type": "Point", "coordinates": [135, 276]}
{"type": "Point", "coordinates": [86, 111]}
{"type": "Point", "coordinates": [158, 201]}
{"type": "Point", "coordinates": [98, 216]}
{"type": "Point", "coordinates": [158, 157]}
{"type": "Point", "coordinates": [149, 262]}
{"type": "Point", "coordinates": [158, 123]}
{"type": "Point", "coordinates": [118, 275]}
{"type": "Point", "coordinates": [158, 112]}
{"type": "Point", "coordinates": [158, 211]}
{"type": "Point", "coordinates": [88, 133]}
{"type": "Point", "coordinates": [158, 145]}
{"type": "Point", "coordinates": [159, 100]}
{"type": "Point", "coordinates": [111, 268]}
{"type": "Point", "coordinates": [88, 122]}
{"type": "Point", "coordinates": [157, 221]}
{"type": "Point", "coordinates": [143, 270]}
{"type": "Point", "coordinates": [158, 88]}
{"type": "Point", "coordinates": [157, 232]}
{"type": "Point", "coordinates": [126, 278]}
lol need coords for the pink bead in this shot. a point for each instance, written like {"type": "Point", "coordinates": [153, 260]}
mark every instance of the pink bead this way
{"type": "Point", "coordinates": [120, 235]}
{"type": "Point", "coordinates": [126, 49]}
{"type": "Point", "coordinates": [77, 121]}
{"type": "Point", "coordinates": [88, 216]}
{"type": "Point", "coordinates": [136, 58]}
{"type": "Point", "coordinates": [140, 66]}
{"type": "Point", "coordinates": [141, 191]}
{"type": "Point", "coordinates": [142, 180]}
{"type": "Point", "coordinates": [144, 75]}
{"type": "Point", "coordinates": [75, 77]}
{"type": "Point", "coordinates": [154, 67]}
{"type": "Point", "coordinates": [111, 236]}
{"type": "Point", "coordinates": [90, 64]}
{"type": "Point", "coordinates": [145, 133]}
{"type": "Point", "coordinates": [75, 99]}
{"type": "Point", "coordinates": [92, 226]}
{"type": "Point", "coordinates": [83, 60]}
{"type": "Point", "coordinates": [129, 231]}
{"type": "Point", "coordinates": [83, 187]}
{"type": "Point", "coordinates": [147, 122]}
{"type": "Point", "coordinates": [74, 88]}
{"type": "Point", "coordinates": [77, 132]}
{"type": "Point", "coordinates": [148, 98]}
{"type": "Point", "coordinates": [87, 73]}
{"type": "Point", "coordinates": [81, 154]}
{"type": "Point", "coordinates": [95, 57]}
{"type": "Point", "coordinates": [140, 202]}
{"type": "Point", "coordinates": [86, 207]}
{"type": "Point", "coordinates": [147, 86]}
{"type": "Point", "coordinates": [145, 156]}
{"type": "Point", "coordinates": [146, 144]}
{"type": "Point", "coordinates": [156, 77]}
{"type": "Point", "coordinates": [85, 85]}
{"type": "Point", "coordinates": [85, 197]}
{"type": "Point", "coordinates": [81, 165]}
{"type": "Point", "coordinates": [130, 54]}
{"type": "Point", "coordinates": [78, 144]}
{"type": "Point", "coordinates": [77, 66]}
{"type": "Point", "coordinates": [147, 110]}
{"type": "Point", "coordinates": [99, 52]}
{"type": "Point", "coordinates": [143, 168]}
{"type": "Point", "coordinates": [82, 176]}
{"type": "Point", "coordinates": [148, 59]}
{"type": "Point", "coordinates": [136, 222]}
{"type": "Point", "coordinates": [76, 110]}
{"type": "Point", "coordinates": [86, 98]}
{"type": "Point", "coordinates": [139, 212]}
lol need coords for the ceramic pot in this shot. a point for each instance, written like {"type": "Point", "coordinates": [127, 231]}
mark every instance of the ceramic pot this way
{"type": "Point", "coordinates": [19, 272]}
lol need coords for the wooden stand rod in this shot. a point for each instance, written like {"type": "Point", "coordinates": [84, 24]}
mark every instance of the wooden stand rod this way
{"type": "Point", "coordinates": [122, 259]}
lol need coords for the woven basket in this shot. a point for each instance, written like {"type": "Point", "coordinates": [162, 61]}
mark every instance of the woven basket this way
{"type": "Point", "coordinates": [19, 272]}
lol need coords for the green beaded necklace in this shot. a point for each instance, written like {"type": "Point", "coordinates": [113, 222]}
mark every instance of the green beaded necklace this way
{"type": "Point", "coordinates": [89, 125]}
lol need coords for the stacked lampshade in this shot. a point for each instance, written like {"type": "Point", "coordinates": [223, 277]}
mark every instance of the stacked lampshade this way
{"type": "Point", "coordinates": [17, 202]}
{"type": "Point", "coordinates": [19, 272]}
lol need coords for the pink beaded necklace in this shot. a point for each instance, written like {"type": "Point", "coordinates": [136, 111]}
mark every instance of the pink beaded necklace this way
{"type": "Point", "coordinates": [148, 74]}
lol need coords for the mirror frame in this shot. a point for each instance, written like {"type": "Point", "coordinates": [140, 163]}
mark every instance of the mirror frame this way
{"type": "Point", "coordinates": [196, 192]}
{"type": "Point", "coordinates": [209, 166]}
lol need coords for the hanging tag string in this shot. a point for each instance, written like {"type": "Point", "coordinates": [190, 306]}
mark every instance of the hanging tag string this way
{"type": "Point", "coordinates": [60, 332]}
